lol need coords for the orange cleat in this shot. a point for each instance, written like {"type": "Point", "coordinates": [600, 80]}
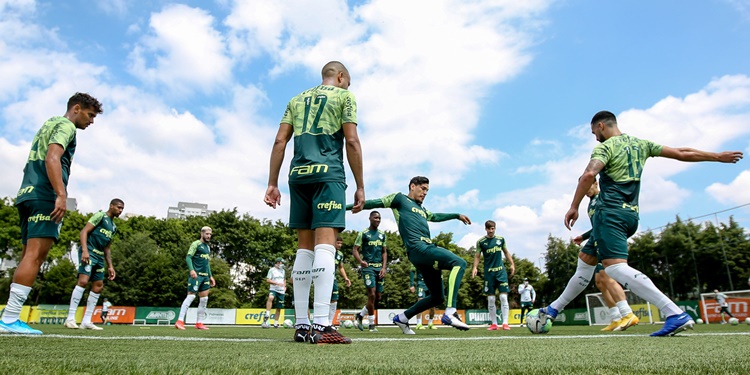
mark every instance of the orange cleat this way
{"type": "Point", "coordinates": [493, 327]}
{"type": "Point", "coordinates": [180, 325]}
{"type": "Point", "coordinates": [201, 326]}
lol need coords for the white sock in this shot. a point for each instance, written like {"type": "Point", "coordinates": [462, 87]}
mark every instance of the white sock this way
{"type": "Point", "coordinates": [364, 311]}
{"type": "Point", "coordinates": [450, 311]}
{"type": "Point", "coordinates": [624, 308]}
{"type": "Point", "coordinates": [18, 295]}
{"type": "Point", "coordinates": [184, 308]}
{"type": "Point", "coordinates": [576, 285]}
{"type": "Point", "coordinates": [504, 307]}
{"type": "Point", "coordinates": [75, 300]}
{"type": "Point", "coordinates": [90, 307]}
{"type": "Point", "coordinates": [492, 307]}
{"type": "Point", "coordinates": [202, 303]}
{"type": "Point", "coordinates": [614, 314]}
{"type": "Point", "coordinates": [323, 273]}
{"type": "Point", "coordinates": [332, 313]}
{"type": "Point", "coordinates": [643, 287]}
{"type": "Point", "coordinates": [268, 313]}
{"type": "Point", "coordinates": [303, 263]}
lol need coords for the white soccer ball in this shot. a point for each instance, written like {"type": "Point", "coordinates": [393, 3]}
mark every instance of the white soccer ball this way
{"type": "Point", "coordinates": [347, 324]}
{"type": "Point", "coordinates": [366, 322]}
{"type": "Point", "coordinates": [288, 323]}
{"type": "Point", "coordinates": [699, 321]}
{"type": "Point", "coordinates": [734, 321]}
{"type": "Point", "coordinates": [535, 323]}
{"type": "Point", "coordinates": [747, 320]}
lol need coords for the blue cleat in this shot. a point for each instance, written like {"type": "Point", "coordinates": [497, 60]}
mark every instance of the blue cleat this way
{"type": "Point", "coordinates": [675, 324]}
{"type": "Point", "coordinates": [548, 312]}
{"type": "Point", "coordinates": [18, 327]}
{"type": "Point", "coordinates": [358, 322]}
{"type": "Point", "coordinates": [455, 322]}
{"type": "Point", "coordinates": [404, 326]}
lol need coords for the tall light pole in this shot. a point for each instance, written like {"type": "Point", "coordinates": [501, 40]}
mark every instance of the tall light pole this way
{"type": "Point", "coordinates": [724, 252]}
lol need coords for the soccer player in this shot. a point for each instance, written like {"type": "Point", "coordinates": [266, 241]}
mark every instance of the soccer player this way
{"type": "Point", "coordinates": [417, 285]}
{"type": "Point", "coordinates": [342, 271]}
{"type": "Point", "coordinates": [427, 257]}
{"type": "Point", "coordinates": [492, 247]}
{"type": "Point", "coordinates": [373, 260]}
{"type": "Point", "coordinates": [277, 279]}
{"type": "Point", "coordinates": [96, 236]}
{"type": "Point", "coordinates": [721, 298]}
{"type": "Point", "coordinates": [528, 297]}
{"type": "Point", "coordinates": [321, 120]}
{"type": "Point", "coordinates": [619, 161]}
{"type": "Point", "coordinates": [41, 200]}
{"type": "Point", "coordinates": [200, 279]}
{"type": "Point", "coordinates": [105, 311]}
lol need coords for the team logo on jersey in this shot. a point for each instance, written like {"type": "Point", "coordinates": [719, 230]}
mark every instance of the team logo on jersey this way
{"type": "Point", "coordinates": [195, 287]}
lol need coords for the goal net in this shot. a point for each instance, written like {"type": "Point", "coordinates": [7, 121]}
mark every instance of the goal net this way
{"type": "Point", "coordinates": [598, 312]}
{"type": "Point", "coordinates": [738, 302]}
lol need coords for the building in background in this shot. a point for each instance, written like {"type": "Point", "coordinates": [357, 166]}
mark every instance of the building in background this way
{"type": "Point", "coordinates": [72, 204]}
{"type": "Point", "coordinates": [185, 209]}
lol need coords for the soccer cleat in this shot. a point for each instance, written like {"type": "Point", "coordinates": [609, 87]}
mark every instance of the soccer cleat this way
{"type": "Point", "coordinates": [180, 325]}
{"type": "Point", "coordinates": [201, 326]}
{"type": "Point", "coordinates": [613, 326]}
{"type": "Point", "coordinates": [404, 326]}
{"type": "Point", "coordinates": [493, 327]}
{"type": "Point", "coordinates": [627, 321]}
{"type": "Point", "coordinates": [90, 326]}
{"type": "Point", "coordinates": [419, 326]}
{"type": "Point", "coordinates": [358, 322]}
{"type": "Point", "coordinates": [70, 323]}
{"type": "Point", "coordinates": [328, 336]}
{"type": "Point", "coordinates": [19, 327]}
{"type": "Point", "coordinates": [454, 321]}
{"type": "Point", "coordinates": [506, 327]}
{"type": "Point", "coordinates": [302, 333]}
{"type": "Point", "coordinates": [373, 329]}
{"type": "Point", "coordinates": [265, 324]}
{"type": "Point", "coordinates": [431, 326]}
{"type": "Point", "coordinates": [675, 324]}
{"type": "Point", "coordinates": [276, 325]}
{"type": "Point", "coordinates": [548, 312]}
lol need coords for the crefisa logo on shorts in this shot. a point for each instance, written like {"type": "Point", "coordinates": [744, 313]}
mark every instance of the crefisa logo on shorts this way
{"type": "Point", "coordinates": [332, 205]}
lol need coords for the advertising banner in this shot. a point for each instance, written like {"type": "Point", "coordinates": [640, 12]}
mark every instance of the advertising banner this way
{"type": "Point", "coordinates": [577, 317]}
{"type": "Point", "coordinates": [116, 315]}
{"type": "Point", "coordinates": [152, 315]}
{"type": "Point", "coordinates": [251, 316]}
{"type": "Point", "coordinates": [482, 317]}
{"type": "Point", "coordinates": [737, 306]}
{"type": "Point", "coordinates": [25, 313]}
{"type": "Point", "coordinates": [213, 316]}
{"type": "Point", "coordinates": [385, 316]}
{"type": "Point", "coordinates": [48, 314]}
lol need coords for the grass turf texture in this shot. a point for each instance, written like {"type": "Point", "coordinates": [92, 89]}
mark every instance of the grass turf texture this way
{"type": "Point", "coordinates": [712, 349]}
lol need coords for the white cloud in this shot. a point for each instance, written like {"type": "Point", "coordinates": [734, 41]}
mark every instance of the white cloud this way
{"type": "Point", "coordinates": [183, 52]}
{"type": "Point", "coordinates": [736, 192]}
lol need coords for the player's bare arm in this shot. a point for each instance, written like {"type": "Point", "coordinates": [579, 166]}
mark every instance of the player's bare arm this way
{"type": "Point", "coordinates": [273, 196]}
{"type": "Point", "coordinates": [584, 183]}
{"type": "Point", "coordinates": [692, 155]}
{"type": "Point", "coordinates": [512, 264]}
{"type": "Point", "coordinates": [384, 269]}
{"type": "Point", "coordinates": [54, 172]}
{"type": "Point", "coordinates": [476, 264]}
{"type": "Point", "coordinates": [110, 267]}
{"type": "Point", "coordinates": [464, 219]}
{"type": "Point", "coordinates": [354, 157]}
{"type": "Point", "coordinates": [87, 229]}
{"type": "Point", "coordinates": [355, 253]}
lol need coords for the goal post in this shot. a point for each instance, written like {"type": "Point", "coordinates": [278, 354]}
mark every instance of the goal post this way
{"type": "Point", "coordinates": [738, 303]}
{"type": "Point", "coordinates": [598, 312]}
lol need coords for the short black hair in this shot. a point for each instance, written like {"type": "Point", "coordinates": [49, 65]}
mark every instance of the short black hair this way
{"type": "Point", "coordinates": [339, 238]}
{"type": "Point", "coordinates": [419, 180]}
{"type": "Point", "coordinates": [606, 117]}
{"type": "Point", "coordinates": [374, 212]}
{"type": "Point", "coordinates": [116, 201]}
{"type": "Point", "coordinates": [86, 101]}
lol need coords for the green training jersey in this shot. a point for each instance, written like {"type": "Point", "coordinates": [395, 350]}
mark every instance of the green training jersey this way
{"type": "Point", "coordinates": [339, 257]}
{"type": "Point", "coordinates": [411, 218]}
{"type": "Point", "coordinates": [620, 180]}
{"type": "Point", "coordinates": [36, 184]}
{"type": "Point", "coordinates": [104, 230]}
{"type": "Point", "coordinates": [317, 116]}
{"type": "Point", "coordinates": [198, 257]}
{"type": "Point", "coordinates": [492, 251]}
{"type": "Point", "coordinates": [591, 211]}
{"type": "Point", "coordinates": [371, 243]}
{"type": "Point", "coordinates": [415, 276]}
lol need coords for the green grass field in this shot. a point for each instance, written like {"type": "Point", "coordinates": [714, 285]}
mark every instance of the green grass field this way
{"type": "Point", "coordinates": [713, 349]}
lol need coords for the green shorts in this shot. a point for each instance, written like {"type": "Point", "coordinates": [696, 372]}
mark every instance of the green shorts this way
{"type": "Point", "coordinates": [36, 221]}
{"type": "Point", "coordinates": [317, 205]}
{"type": "Point", "coordinates": [612, 228]}
{"type": "Point", "coordinates": [371, 279]}
{"type": "Point", "coordinates": [95, 268]}
{"type": "Point", "coordinates": [527, 304]}
{"type": "Point", "coordinates": [422, 290]}
{"type": "Point", "coordinates": [335, 292]}
{"type": "Point", "coordinates": [203, 282]}
{"type": "Point", "coordinates": [599, 267]}
{"type": "Point", "coordinates": [589, 248]}
{"type": "Point", "coordinates": [278, 300]}
{"type": "Point", "coordinates": [496, 281]}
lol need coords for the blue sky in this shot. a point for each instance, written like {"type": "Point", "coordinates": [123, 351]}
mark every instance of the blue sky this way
{"type": "Point", "coordinates": [490, 99]}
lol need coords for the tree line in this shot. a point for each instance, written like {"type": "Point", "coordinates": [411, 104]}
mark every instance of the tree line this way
{"type": "Point", "coordinates": [149, 257]}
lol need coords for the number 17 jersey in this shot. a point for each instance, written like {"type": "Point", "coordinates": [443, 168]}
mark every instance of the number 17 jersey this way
{"type": "Point", "coordinates": [317, 116]}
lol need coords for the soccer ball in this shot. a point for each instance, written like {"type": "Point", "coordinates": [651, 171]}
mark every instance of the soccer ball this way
{"type": "Point", "coordinates": [366, 322]}
{"type": "Point", "coordinates": [747, 320]}
{"type": "Point", "coordinates": [288, 324]}
{"type": "Point", "coordinates": [535, 324]}
{"type": "Point", "coordinates": [699, 321]}
{"type": "Point", "coordinates": [348, 324]}
{"type": "Point", "coordinates": [734, 321]}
